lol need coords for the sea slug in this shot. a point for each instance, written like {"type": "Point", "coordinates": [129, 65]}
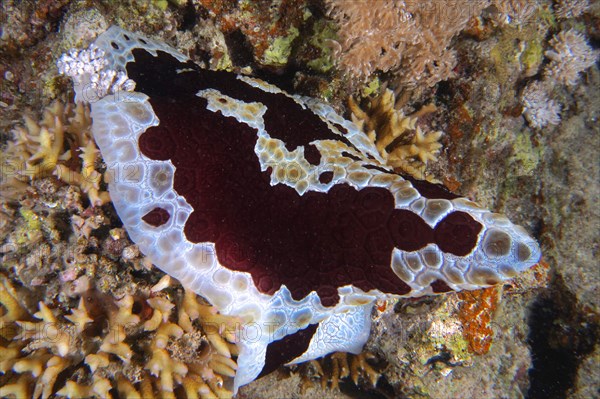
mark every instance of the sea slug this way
{"type": "Point", "coordinates": [272, 206]}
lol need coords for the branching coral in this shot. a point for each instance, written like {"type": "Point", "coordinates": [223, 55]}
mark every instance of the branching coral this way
{"type": "Point", "coordinates": [137, 345]}
{"type": "Point", "coordinates": [50, 146]}
{"type": "Point", "coordinates": [570, 55]}
{"type": "Point", "coordinates": [331, 369]}
{"type": "Point", "coordinates": [400, 142]}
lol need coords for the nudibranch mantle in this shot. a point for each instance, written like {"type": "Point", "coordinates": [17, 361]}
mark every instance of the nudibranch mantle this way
{"type": "Point", "coordinates": [272, 206]}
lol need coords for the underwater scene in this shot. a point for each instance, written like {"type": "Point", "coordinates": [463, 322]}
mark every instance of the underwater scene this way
{"type": "Point", "coordinates": [299, 199]}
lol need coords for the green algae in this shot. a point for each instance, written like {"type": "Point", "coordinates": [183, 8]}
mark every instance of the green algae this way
{"type": "Point", "coordinates": [324, 31]}
{"type": "Point", "coordinates": [533, 55]}
{"type": "Point", "coordinates": [31, 229]}
{"type": "Point", "coordinates": [161, 4]}
{"type": "Point", "coordinates": [280, 49]}
{"type": "Point", "coordinates": [371, 88]}
{"type": "Point", "coordinates": [526, 156]}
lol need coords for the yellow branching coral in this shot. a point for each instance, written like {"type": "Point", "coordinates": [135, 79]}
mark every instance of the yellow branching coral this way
{"type": "Point", "coordinates": [11, 311]}
{"type": "Point", "coordinates": [220, 330]}
{"type": "Point", "coordinates": [114, 344]}
{"type": "Point", "coordinates": [46, 333]}
{"type": "Point", "coordinates": [140, 346]}
{"type": "Point", "coordinates": [330, 369]}
{"type": "Point", "coordinates": [166, 368]}
{"type": "Point", "coordinates": [400, 142]}
{"type": "Point", "coordinates": [45, 383]}
{"type": "Point", "coordinates": [50, 147]}
{"type": "Point", "coordinates": [79, 317]}
{"type": "Point", "coordinates": [17, 389]}
{"type": "Point", "coordinates": [100, 388]}
{"type": "Point", "coordinates": [11, 308]}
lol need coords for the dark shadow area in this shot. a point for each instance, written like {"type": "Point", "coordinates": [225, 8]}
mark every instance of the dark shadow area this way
{"type": "Point", "coordinates": [561, 335]}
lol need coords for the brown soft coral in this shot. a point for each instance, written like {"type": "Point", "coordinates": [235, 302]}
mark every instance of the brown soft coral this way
{"type": "Point", "coordinates": [410, 39]}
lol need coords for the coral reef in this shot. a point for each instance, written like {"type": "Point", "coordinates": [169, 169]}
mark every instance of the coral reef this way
{"type": "Point", "coordinates": [570, 55]}
{"type": "Point", "coordinates": [558, 199]}
{"type": "Point", "coordinates": [410, 40]}
{"type": "Point", "coordinates": [538, 108]}
{"type": "Point", "coordinates": [167, 344]}
{"type": "Point", "coordinates": [52, 146]}
{"type": "Point", "coordinates": [269, 28]}
{"type": "Point", "coordinates": [562, 336]}
{"type": "Point", "coordinates": [398, 139]}
{"type": "Point", "coordinates": [24, 23]}
{"type": "Point", "coordinates": [560, 340]}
